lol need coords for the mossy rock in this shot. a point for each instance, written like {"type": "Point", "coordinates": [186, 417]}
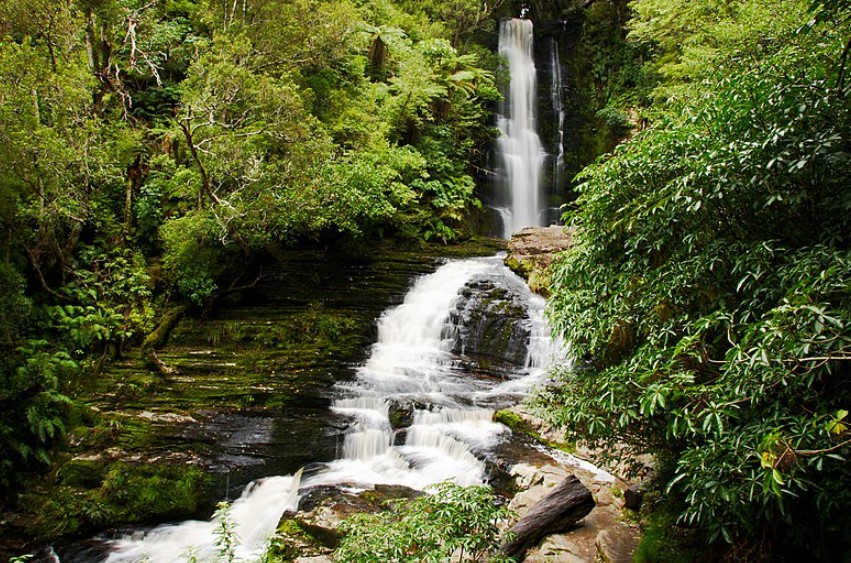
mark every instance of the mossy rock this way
{"type": "Point", "coordinates": [292, 541]}
{"type": "Point", "coordinates": [84, 473]}
{"type": "Point", "coordinates": [520, 425]}
{"type": "Point", "coordinates": [92, 493]}
{"type": "Point", "coordinates": [491, 321]}
{"type": "Point", "coordinates": [153, 490]}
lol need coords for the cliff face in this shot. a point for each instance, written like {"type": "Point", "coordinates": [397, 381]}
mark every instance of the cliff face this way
{"type": "Point", "coordinates": [532, 251]}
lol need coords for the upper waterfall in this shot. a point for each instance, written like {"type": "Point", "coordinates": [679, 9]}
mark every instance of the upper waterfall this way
{"type": "Point", "coordinates": [519, 146]}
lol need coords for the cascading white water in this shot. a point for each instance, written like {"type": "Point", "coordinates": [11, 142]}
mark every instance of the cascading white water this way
{"type": "Point", "coordinates": [411, 361]}
{"type": "Point", "coordinates": [254, 516]}
{"type": "Point", "coordinates": [519, 147]}
{"type": "Point", "coordinates": [557, 102]}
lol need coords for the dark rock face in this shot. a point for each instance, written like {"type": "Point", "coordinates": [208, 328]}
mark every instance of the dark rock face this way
{"type": "Point", "coordinates": [401, 412]}
{"type": "Point", "coordinates": [491, 322]}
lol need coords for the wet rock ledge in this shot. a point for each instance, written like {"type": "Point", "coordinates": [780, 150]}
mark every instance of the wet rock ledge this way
{"type": "Point", "coordinates": [532, 251]}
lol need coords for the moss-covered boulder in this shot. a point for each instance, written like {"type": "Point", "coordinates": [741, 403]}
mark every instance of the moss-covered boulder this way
{"type": "Point", "coordinates": [532, 251]}
{"type": "Point", "coordinates": [491, 322]}
{"type": "Point", "coordinates": [315, 529]}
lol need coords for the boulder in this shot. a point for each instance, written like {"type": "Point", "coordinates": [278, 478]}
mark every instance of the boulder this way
{"type": "Point", "coordinates": [617, 544]}
{"type": "Point", "coordinates": [491, 322]}
{"type": "Point", "coordinates": [401, 412]}
{"type": "Point", "coordinates": [532, 250]}
{"type": "Point", "coordinates": [315, 528]}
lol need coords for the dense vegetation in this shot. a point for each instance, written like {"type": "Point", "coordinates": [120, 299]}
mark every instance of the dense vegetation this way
{"type": "Point", "coordinates": [154, 152]}
{"type": "Point", "coordinates": [449, 522]}
{"type": "Point", "coordinates": [707, 299]}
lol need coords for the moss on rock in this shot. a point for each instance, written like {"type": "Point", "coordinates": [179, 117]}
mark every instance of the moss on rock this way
{"type": "Point", "coordinates": [520, 425]}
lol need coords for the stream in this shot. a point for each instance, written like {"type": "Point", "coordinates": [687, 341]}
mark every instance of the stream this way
{"type": "Point", "coordinates": [423, 368]}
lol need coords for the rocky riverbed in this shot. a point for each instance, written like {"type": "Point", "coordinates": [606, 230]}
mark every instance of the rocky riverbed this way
{"type": "Point", "coordinates": [608, 533]}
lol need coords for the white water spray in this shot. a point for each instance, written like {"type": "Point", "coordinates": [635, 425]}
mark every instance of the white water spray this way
{"type": "Point", "coordinates": [519, 147]}
{"type": "Point", "coordinates": [254, 516]}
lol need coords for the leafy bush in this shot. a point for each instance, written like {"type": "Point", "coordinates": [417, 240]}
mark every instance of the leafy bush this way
{"type": "Point", "coordinates": [191, 258]}
{"type": "Point", "coordinates": [707, 300]}
{"type": "Point", "coordinates": [108, 301]}
{"type": "Point", "coordinates": [615, 118]}
{"type": "Point", "coordinates": [454, 522]}
{"type": "Point", "coordinates": [32, 409]}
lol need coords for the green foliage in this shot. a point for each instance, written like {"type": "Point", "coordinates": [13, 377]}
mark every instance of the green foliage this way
{"type": "Point", "coordinates": [15, 308]}
{"type": "Point", "coordinates": [706, 300]}
{"type": "Point", "coordinates": [145, 490]}
{"type": "Point", "coordinates": [456, 522]}
{"type": "Point", "coordinates": [226, 536]}
{"type": "Point", "coordinates": [130, 493]}
{"type": "Point", "coordinates": [615, 118]}
{"type": "Point", "coordinates": [190, 258]}
{"type": "Point", "coordinates": [693, 38]}
{"type": "Point", "coordinates": [110, 292]}
{"type": "Point", "coordinates": [33, 409]}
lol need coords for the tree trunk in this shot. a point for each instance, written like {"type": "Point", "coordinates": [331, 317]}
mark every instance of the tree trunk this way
{"type": "Point", "coordinates": [557, 512]}
{"type": "Point", "coordinates": [206, 189]}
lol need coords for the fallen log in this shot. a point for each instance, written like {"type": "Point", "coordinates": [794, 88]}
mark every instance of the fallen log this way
{"type": "Point", "coordinates": [556, 513]}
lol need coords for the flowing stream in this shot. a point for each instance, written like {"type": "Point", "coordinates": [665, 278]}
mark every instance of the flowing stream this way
{"type": "Point", "coordinates": [519, 146]}
{"type": "Point", "coordinates": [411, 365]}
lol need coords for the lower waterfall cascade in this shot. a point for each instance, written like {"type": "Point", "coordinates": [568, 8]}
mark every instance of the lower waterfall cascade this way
{"type": "Point", "coordinates": [411, 362]}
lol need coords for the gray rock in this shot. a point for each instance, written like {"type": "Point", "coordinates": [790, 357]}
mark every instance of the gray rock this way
{"type": "Point", "coordinates": [633, 496]}
{"type": "Point", "coordinates": [401, 412]}
{"type": "Point", "coordinates": [491, 322]}
{"type": "Point", "coordinates": [323, 508]}
{"type": "Point", "coordinates": [617, 544]}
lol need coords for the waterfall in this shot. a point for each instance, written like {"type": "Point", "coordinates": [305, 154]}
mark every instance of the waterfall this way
{"type": "Point", "coordinates": [557, 103]}
{"type": "Point", "coordinates": [411, 361]}
{"type": "Point", "coordinates": [254, 515]}
{"type": "Point", "coordinates": [519, 147]}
